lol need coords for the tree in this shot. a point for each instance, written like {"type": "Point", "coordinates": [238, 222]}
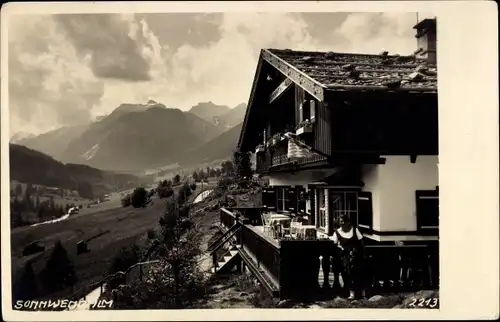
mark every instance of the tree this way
{"type": "Point", "coordinates": [37, 202]}
{"type": "Point", "coordinates": [28, 203]}
{"type": "Point", "coordinates": [123, 259]}
{"type": "Point", "coordinates": [29, 188]}
{"type": "Point", "coordinates": [227, 168]}
{"type": "Point", "coordinates": [27, 289]}
{"type": "Point", "coordinates": [177, 179]}
{"type": "Point", "coordinates": [242, 164]}
{"type": "Point", "coordinates": [18, 190]}
{"type": "Point", "coordinates": [59, 272]}
{"type": "Point", "coordinates": [195, 176]}
{"type": "Point", "coordinates": [139, 197]}
{"type": "Point", "coordinates": [184, 193]}
{"type": "Point", "coordinates": [177, 281]}
{"type": "Point", "coordinates": [126, 201]}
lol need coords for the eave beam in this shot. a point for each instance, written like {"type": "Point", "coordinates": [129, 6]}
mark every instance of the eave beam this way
{"type": "Point", "coordinates": [307, 83]}
{"type": "Point", "coordinates": [280, 90]}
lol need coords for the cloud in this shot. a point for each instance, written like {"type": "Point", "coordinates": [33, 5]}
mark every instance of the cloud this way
{"type": "Point", "coordinates": [65, 69]}
{"type": "Point", "coordinates": [106, 38]}
{"type": "Point", "coordinates": [48, 85]}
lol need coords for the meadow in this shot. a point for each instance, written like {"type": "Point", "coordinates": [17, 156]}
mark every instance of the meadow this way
{"type": "Point", "coordinates": [115, 226]}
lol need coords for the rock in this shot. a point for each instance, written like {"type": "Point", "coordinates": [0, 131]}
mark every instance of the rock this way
{"type": "Point", "coordinates": [307, 59]}
{"type": "Point", "coordinates": [348, 67]}
{"type": "Point", "coordinates": [330, 54]}
{"type": "Point", "coordinates": [315, 306]}
{"type": "Point", "coordinates": [243, 294]}
{"type": "Point", "coordinates": [375, 298]}
{"type": "Point", "coordinates": [384, 53]}
{"type": "Point", "coordinates": [393, 84]}
{"type": "Point", "coordinates": [416, 77]}
{"type": "Point", "coordinates": [340, 300]}
{"type": "Point", "coordinates": [284, 304]}
{"type": "Point", "coordinates": [354, 74]}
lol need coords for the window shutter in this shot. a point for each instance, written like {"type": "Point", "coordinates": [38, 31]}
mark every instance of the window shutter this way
{"type": "Point", "coordinates": [291, 200]}
{"type": "Point", "coordinates": [301, 200]}
{"type": "Point", "coordinates": [329, 213]}
{"type": "Point", "coordinates": [365, 210]}
{"type": "Point", "coordinates": [279, 199]}
{"type": "Point", "coordinates": [427, 207]}
{"type": "Point", "coordinates": [312, 215]}
{"type": "Point", "coordinates": [269, 198]}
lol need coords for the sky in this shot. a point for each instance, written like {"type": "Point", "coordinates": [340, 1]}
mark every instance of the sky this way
{"type": "Point", "coordinates": [68, 69]}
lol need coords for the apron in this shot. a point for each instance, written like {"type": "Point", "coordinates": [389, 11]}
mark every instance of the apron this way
{"type": "Point", "coordinates": [351, 255]}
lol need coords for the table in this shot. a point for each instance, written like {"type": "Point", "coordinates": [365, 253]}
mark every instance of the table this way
{"type": "Point", "coordinates": [279, 220]}
{"type": "Point", "coordinates": [306, 231]}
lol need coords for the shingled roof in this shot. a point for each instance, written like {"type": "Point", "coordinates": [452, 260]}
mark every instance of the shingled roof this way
{"type": "Point", "coordinates": [343, 71]}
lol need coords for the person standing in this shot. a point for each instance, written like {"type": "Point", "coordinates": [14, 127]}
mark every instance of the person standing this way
{"type": "Point", "coordinates": [350, 241]}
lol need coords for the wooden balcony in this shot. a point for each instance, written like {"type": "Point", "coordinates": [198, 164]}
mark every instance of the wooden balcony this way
{"type": "Point", "coordinates": [303, 269]}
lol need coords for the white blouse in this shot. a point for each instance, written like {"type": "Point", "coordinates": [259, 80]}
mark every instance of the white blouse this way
{"type": "Point", "coordinates": [346, 235]}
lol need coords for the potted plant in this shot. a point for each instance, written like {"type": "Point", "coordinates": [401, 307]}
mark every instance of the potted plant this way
{"type": "Point", "coordinates": [260, 148]}
{"type": "Point", "coordinates": [276, 138]}
{"type": "Point", "coordinates": [304, 127]}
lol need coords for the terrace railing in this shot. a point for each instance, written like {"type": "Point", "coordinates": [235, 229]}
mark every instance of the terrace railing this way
{"type": "Point", "coordinates": [266, 255]}
{"type": "Point", "coordinates": [300, 269]}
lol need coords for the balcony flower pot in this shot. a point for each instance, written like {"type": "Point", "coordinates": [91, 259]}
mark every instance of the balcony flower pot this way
{"type": "Point", "coordinates": [304, 127]}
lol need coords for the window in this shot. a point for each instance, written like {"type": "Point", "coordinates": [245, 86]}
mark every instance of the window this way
{"type": "Point", "coordinates": [312, 109]}
{"type": "Point", "coordinates": [322, 216]}
{"type": "Point", "coordinates": [282, 199]}
{"type": "Point", "coordinates": [427, 207]}
{"type": "Point", "coordinates": [269, 198]}
{"type": "Point", "coordinates": [344, 203]}
{"type": "Point", "coordinates": [365, 210]}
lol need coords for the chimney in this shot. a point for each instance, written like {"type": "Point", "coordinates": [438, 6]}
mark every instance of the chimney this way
{"type": "Point", "coordinates": [426, 40]}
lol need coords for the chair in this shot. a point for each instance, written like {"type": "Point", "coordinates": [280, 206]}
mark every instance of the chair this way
{"type": "Point", "coordinates": [286, 228]}
{"type": "Point", "coordinates": [293, 227]}
{"type": "Point", "coordinates": [265, 223]}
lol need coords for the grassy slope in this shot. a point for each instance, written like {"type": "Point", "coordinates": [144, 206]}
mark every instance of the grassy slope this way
{"type": "Point", "coordinates": [126, 226]}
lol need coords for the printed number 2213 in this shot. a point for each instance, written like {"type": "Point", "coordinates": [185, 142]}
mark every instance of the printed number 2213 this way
{"type": "Point", "coordinates": [431, 302]}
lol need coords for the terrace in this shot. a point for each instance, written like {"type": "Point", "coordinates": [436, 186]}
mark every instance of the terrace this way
{"type": "Point", "coordinates": [295, 265]}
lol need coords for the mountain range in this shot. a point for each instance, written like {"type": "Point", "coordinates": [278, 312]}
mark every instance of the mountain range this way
{"type": "Point", "coordinates": [135, 137]}
{"type": "Point", "coordinates": [30, 166]}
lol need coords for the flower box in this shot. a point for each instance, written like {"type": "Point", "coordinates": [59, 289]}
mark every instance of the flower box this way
{"type": "Point", "coordinates": [306, 128]}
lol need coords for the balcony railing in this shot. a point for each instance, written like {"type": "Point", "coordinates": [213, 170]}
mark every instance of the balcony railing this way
{"type": "Point", "coordinates": [305, 269]}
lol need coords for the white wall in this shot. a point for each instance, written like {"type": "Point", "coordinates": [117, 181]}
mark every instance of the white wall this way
{"type": "Point", "coordinates": [393, 186]}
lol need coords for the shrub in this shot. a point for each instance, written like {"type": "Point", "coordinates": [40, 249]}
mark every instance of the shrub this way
{"type": "Point", "coordinates": [193, 186]}
{"type": "Point", "coordinates": [139, 197]}
{"type": "Point", "coordinates": [127, 201]}
{"type": "Point", "coordinates": [165, 192]}
{"type": "Point", "coordinates": [151, 234]}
